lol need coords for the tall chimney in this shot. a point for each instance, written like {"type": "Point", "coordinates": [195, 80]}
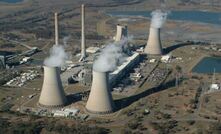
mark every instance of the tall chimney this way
{"type": "Point", "coordinates": [100, 99]}
{"type": "Point", "coordinates": [83, 51]}
{"type": "Point", "coordinates": [121, 32]}
{"type": "Point", "coordinates": [52, 93]}
{"type": "Point", "coordinates": [153, 46]}
{"type": "Point", "coordinates": [56, 28]}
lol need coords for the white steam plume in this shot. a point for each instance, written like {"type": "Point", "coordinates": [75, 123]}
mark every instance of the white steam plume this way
{"type": "Point", "coordinates": [58, 56]}
{"type": "Point", "coordinates": [158, 18]}
{"type": "Point", "coordinates": [65, 40]}
{"type": "Point", "coordinates": [111, 56]}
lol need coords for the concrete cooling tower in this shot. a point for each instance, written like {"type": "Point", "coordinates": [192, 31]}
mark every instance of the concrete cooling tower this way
{"type": "Point", "coordinates": [83, 50]}
{"type": "Point", "coordinates": [100, 100]}
{"type": "Point", "coordinates": [153, 46]}
{"type": "Point", "coordinates": [52, 93]}
{"type": "Point", "coordinates": [121, 32]}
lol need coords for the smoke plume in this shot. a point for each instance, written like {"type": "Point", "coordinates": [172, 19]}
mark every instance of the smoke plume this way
{"type": "Point", "coordinates": [111, 56]}
{"type": "Point", "coordinates": [158, 18]}
{"type": "Point", "coordinates": [57, 56]}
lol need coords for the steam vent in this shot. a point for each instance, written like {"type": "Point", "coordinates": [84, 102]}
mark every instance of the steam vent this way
{"type": "Point", "coordinates": [100, 100]}
{"type": "Point", "coordinates": [121, 32]}
{"type": "Point", "coordinates": [52, 93]}
{"type": "Point", "coordinates": [153, 46]}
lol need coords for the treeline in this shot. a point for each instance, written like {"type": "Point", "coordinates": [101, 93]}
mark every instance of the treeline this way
{"type": "Point", "coordinates": [33, 127]}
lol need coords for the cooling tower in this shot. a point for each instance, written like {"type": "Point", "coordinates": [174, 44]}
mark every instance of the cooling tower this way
{"type": "Point", "coordinates": [100, 100]}
{"type": "Point", "coordinates": [153, 46]}
{"type": "Point", "coordinates": [121, 32]}
{"type": "Point", "coordinates": [83, 50]}
{"type": "Point", "coordinates": [52, 93]}
{"type": "Point", "coordinates": [56, 28]}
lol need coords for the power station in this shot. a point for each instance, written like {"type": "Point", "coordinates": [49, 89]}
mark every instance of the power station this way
{"type": "Point", "coordinates": [100, 99]}
{"type": "Point", "coordinates": [52, 93]}
{"type": "Point", "coordinates": [113, 83]}
{"type": "Point", "coordinates": [153, 46]}
{"type": "Point", "coordinates": [121, 32]}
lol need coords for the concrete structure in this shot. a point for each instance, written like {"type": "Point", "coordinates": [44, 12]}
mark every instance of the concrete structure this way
{"type": "Point", "coordinates": [87, 78]}
{"type": "Point", "coordinates": [117, 74]}
{"type": "Point", "coordinates": [124, 68]}
{"type": "Point", "coordinates": [59, 113]}
{"type": "Point", "coordinates": [121, 32]}
{"type": "Point", "coordinates": [92, 50]}
{"type": "Point", "coordinates": [65, 112]}
{"type": "Point", "coordinates": [166, 58]}
{"type": "Point", "coordinates": [83, 50]}
{"type": "Point", "coordinates": [52, 93]}
{"type": "Point", "coordinates": [152, 60]}
{"type": "Point", "coordinates": [214, 87]}
{"type": "Point", "coordinates": [56, 28]}
{"type": "Point", "coordinates": [153, 46]}
{"type": "Point", "coordinates": [100, 100]}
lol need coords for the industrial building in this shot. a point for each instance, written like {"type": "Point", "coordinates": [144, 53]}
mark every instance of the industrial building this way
{"type": "Point", "coordinates": [123, 69]}
{"type": "Point", "coordinates": [100, 99]}
{"type": "Point", "coordinates": [87, 78]}
{"type": "Point", "coordinates": [52, 93]}
{"type": "Point", "coordinates": [114, 76]}
{"type": "Point", "coordinates": [92, 50]}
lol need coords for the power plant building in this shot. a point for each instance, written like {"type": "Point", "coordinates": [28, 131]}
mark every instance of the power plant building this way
{"type": "Point", "coordinates": [117, 74]}
{"type": "Point", "coordinates": [87, 78]}
{"type": "Point", "coordinates": [123, 69]}
{"type": "Point", "coordinates": [52, 93]}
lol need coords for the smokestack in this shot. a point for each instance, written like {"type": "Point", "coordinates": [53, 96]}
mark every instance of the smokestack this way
{"type": "Point", "coordinates": [121, 32]}
{"type": "Point", "coordinates": [52, 93]}
{"type": "Point", "coordinates": [56, 28]}
{"type": "Point", "coordinates": [83, 50]}
{"type": "Point", "coordinates": [100, 100]}
{"type": "Point", "coordinates": [154, 46]}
